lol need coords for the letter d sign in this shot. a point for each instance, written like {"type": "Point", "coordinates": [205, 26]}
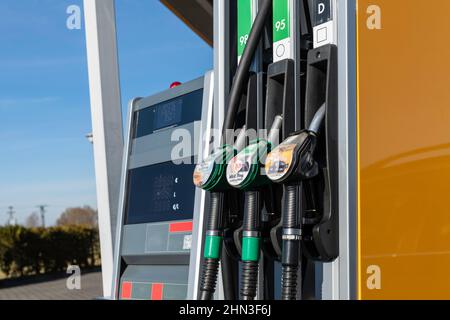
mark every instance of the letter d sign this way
{"type": "Point", "coordinates": [321, 8]}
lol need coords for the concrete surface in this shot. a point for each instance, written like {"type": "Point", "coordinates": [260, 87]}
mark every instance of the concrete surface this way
{"type": "Point", "coordinates": [54, 289]}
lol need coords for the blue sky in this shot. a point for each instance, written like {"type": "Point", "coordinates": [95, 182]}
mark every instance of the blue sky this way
{"type": "Point", "coordinates": [44, 94]}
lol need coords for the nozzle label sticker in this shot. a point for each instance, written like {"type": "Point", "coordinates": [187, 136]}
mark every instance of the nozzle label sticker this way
{"type": "Point", "coordinates": [240, 168]}
{"type": "Point", "coordinates": [203, 171]}
{"type": "Point", "coordinates": [280, 160]}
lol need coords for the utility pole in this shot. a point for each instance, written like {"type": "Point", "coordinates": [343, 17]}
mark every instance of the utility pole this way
{"type": "Point", "coordinates": [11, 220]}
{"type": "Point", "coordinates": [42, 209]}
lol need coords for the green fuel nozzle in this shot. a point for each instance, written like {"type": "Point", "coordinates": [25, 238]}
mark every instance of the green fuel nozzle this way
{"type": "Point", "coordinates": [245, 172]}
{"type": "Point", "coordinates": [210, 175]}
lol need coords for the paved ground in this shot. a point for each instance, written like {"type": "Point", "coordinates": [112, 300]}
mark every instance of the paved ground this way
{"type": "Point", "coordinates": [55, 289]}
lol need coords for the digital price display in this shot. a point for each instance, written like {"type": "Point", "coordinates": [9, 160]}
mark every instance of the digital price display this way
{"type": "Point", "coordinates": [160, 192]}
{"type": "Point", "coordinates": [168, 114]}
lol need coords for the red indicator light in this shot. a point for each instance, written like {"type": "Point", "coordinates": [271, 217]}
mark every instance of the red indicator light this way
{"type": "Point", "coordinates": [126, 290]}
{"type": "Point", "coordinates": [181, 227]}
{"type": "Point", "coordinates": [175, 84]}
{"type": "Point", "coordinates": [157, 291]}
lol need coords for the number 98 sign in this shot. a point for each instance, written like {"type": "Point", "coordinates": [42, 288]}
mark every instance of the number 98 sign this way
{"type": "Point", "coordinates": [243, 40]}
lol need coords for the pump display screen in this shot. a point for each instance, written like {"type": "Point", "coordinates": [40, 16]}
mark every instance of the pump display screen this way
{"type": "Point", "coordinates": [167, 114]}
{"type": "Point", "coordinates": [160, 192]}
{"type": "Point", "coordinates": [175, 112]}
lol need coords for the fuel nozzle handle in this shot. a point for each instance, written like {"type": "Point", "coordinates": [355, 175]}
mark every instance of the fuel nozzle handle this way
{"type": "Point", "coordinates": [244, 173]}
{"type": "Point", "coordinates": [210, 175]}
{"type": "Point", "coordinates": [290, 164]}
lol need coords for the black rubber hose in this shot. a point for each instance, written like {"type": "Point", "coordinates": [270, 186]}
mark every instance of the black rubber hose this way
{"type": "Point", "coordinates": [245, 63]}
{"type": "Point", "coordinates": [289, 282]}
{"type": "Point", "coordinates": [211, 266]}
{"type": "Point", "coordinates": [250, 269]}
{"type": "Point", "coordinates": [291, 245]}
{"type": "Point", "coordinates": [249, 280]}
{"type": "Point", "coordinates": [230, 271]}
{"type": "Point", "coordinates": [215, 218]}
{"type": "Point", "coordinates": [290, 210]}
{"type": "Point", "coordinates": [252, 214]}
{"type": "Point", "coordinates": [209, 279]}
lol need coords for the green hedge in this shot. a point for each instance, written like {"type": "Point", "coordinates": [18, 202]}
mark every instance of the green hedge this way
{"type": "Point", "coordinates": [25, 251]}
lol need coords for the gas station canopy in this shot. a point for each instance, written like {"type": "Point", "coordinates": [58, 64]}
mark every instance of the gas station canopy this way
{"type": "Point", "coordinates": [196, 14]}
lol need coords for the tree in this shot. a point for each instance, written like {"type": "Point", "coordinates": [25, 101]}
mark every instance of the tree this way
{"type": "Point", "coordinates": [33, 220]}
{"type": "Point", "coordinates": [85, 216]}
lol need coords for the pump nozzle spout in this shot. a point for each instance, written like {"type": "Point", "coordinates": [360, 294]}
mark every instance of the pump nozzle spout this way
{"type": "Point", "coordinates": [317, 121]}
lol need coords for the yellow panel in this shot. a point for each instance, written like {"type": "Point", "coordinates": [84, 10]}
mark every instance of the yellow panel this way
{"type": "Point", "coordinates": [404, 149]}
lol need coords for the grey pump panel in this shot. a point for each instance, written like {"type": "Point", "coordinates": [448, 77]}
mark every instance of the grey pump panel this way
{"type": "Point", "coordinates": [161, 212]}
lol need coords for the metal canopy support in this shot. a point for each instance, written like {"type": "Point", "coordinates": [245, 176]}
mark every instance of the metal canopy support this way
{"type": "Point", "coordinates": [221, 60]}
{"type": "Point", "coordinates": [106, 122]}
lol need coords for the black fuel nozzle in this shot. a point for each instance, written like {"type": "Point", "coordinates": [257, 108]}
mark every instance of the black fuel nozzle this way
{"type": "Point", "coordinates": [291, 163]}
{"type": "Point", "coordinates": [293, 160]}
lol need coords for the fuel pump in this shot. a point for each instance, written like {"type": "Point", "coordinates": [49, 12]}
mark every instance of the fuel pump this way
{"type": "Point", "coordinates": [210, 175]}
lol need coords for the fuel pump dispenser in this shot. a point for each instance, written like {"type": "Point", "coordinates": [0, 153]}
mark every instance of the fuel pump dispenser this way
{"type": "Point", "coordinates": [299, 220]}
